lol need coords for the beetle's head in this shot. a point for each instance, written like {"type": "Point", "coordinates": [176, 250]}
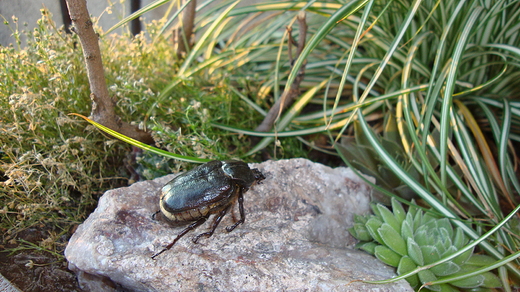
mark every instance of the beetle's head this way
{"type": "Point", "coordinates": [258, 175]}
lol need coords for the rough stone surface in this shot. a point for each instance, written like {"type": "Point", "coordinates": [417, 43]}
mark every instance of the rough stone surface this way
{"type": "Point", "coordinates": [6, 286]}
{"type": "Point", "coordinates": [294, 238]}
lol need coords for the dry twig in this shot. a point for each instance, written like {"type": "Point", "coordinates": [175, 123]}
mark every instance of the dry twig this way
{"type": "Point", "coordinates": [182, 35]}
{"type": "Point", "coordinates": [289, 96]}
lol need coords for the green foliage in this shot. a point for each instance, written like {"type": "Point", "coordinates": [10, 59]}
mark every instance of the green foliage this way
{"type": "Point", "coordinates": [53, 166]}
{"type": "Point", "coordinates": [417, 239]}
{"type": "Point", "coordinates": [358, 151]}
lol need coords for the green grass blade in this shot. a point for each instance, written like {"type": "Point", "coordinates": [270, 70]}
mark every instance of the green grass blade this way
{"type": "Point", "coordinates": [341, 13]}
{"type": "Point", "coordinates": [142, 145]}
{"type": "Point", "coordinates": [495, 265]}
{"type": "Point", "coordinates": [203, 40]}
{"type": "Point", "coordinates": [138, 13]}
{"type": "Point", "coordinates": [503, 144]}
{"type": "Point", "coordinates": [447, 105]}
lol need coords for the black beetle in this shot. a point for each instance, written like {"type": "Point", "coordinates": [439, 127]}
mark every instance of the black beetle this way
{"type": "Point", "coordinates": [207, 189]}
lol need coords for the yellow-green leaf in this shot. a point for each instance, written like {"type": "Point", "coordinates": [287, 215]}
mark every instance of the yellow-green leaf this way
{"type": "Point", "coordinates": [392, 239]}
{"type": "Point", "coordinates": [414, 251]}
{"type": "Point", "coordinates": [389, 218]}
{"type": "Point", "coordinates": [406, 265]}
{"type": "Point", "coordinates": [426, 276]}
{"type": "Point", "coordinates": [445, 269]}
{"type": "Point", "coordinates": [372, 225]}
{"type": "Point", "coordinates": [430, 254]}
{"type": "Point", "coordinates": [399, 212]}
{"type": "Point", "coordinates": [387, 255]}
{"type": "Point", "coordinates": [470, 282]}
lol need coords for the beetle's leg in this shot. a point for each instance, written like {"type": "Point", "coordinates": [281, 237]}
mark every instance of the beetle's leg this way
{"type": "Point", "coordinates": [241, 209]}
{"type": "Point", "coordinates": [153, 215]}
{"type": "Point", "coordinates": [213, 225]}
{"type": "Point", "coordinates": [186, 230]}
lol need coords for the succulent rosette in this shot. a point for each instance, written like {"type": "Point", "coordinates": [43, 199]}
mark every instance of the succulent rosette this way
{"type": "Point", "coordinates": [408, 240]}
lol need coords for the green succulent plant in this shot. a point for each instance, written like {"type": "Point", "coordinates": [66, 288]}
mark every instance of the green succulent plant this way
{"type": "Point", "coordinates": [408, 240]}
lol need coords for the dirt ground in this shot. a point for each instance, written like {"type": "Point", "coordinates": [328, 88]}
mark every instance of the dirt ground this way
{"type": "Point", "coordinates": [36, 271]}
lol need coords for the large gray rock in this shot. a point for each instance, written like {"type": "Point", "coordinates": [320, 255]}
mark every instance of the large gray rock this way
{"type": "Point", "coordinates": [294, 238]}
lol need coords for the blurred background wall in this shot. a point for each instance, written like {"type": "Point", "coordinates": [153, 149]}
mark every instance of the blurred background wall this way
{"type": "Point", "coordinates": [28, 12]}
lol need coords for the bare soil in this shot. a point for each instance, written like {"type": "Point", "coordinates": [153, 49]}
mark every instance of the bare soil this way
{"type": "Point", "coordinates": [34, 270]}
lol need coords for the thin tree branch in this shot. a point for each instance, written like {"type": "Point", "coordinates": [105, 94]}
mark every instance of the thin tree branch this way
{"type": "Point", "coordinates": [103, 107]}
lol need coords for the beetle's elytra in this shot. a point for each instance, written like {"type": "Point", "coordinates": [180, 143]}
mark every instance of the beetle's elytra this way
{"type": "Point", "coordinates": [211, 188]}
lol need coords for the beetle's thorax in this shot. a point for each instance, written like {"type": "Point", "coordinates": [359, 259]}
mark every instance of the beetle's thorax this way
{"type": "Point", "coordinates": [239, 172]}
